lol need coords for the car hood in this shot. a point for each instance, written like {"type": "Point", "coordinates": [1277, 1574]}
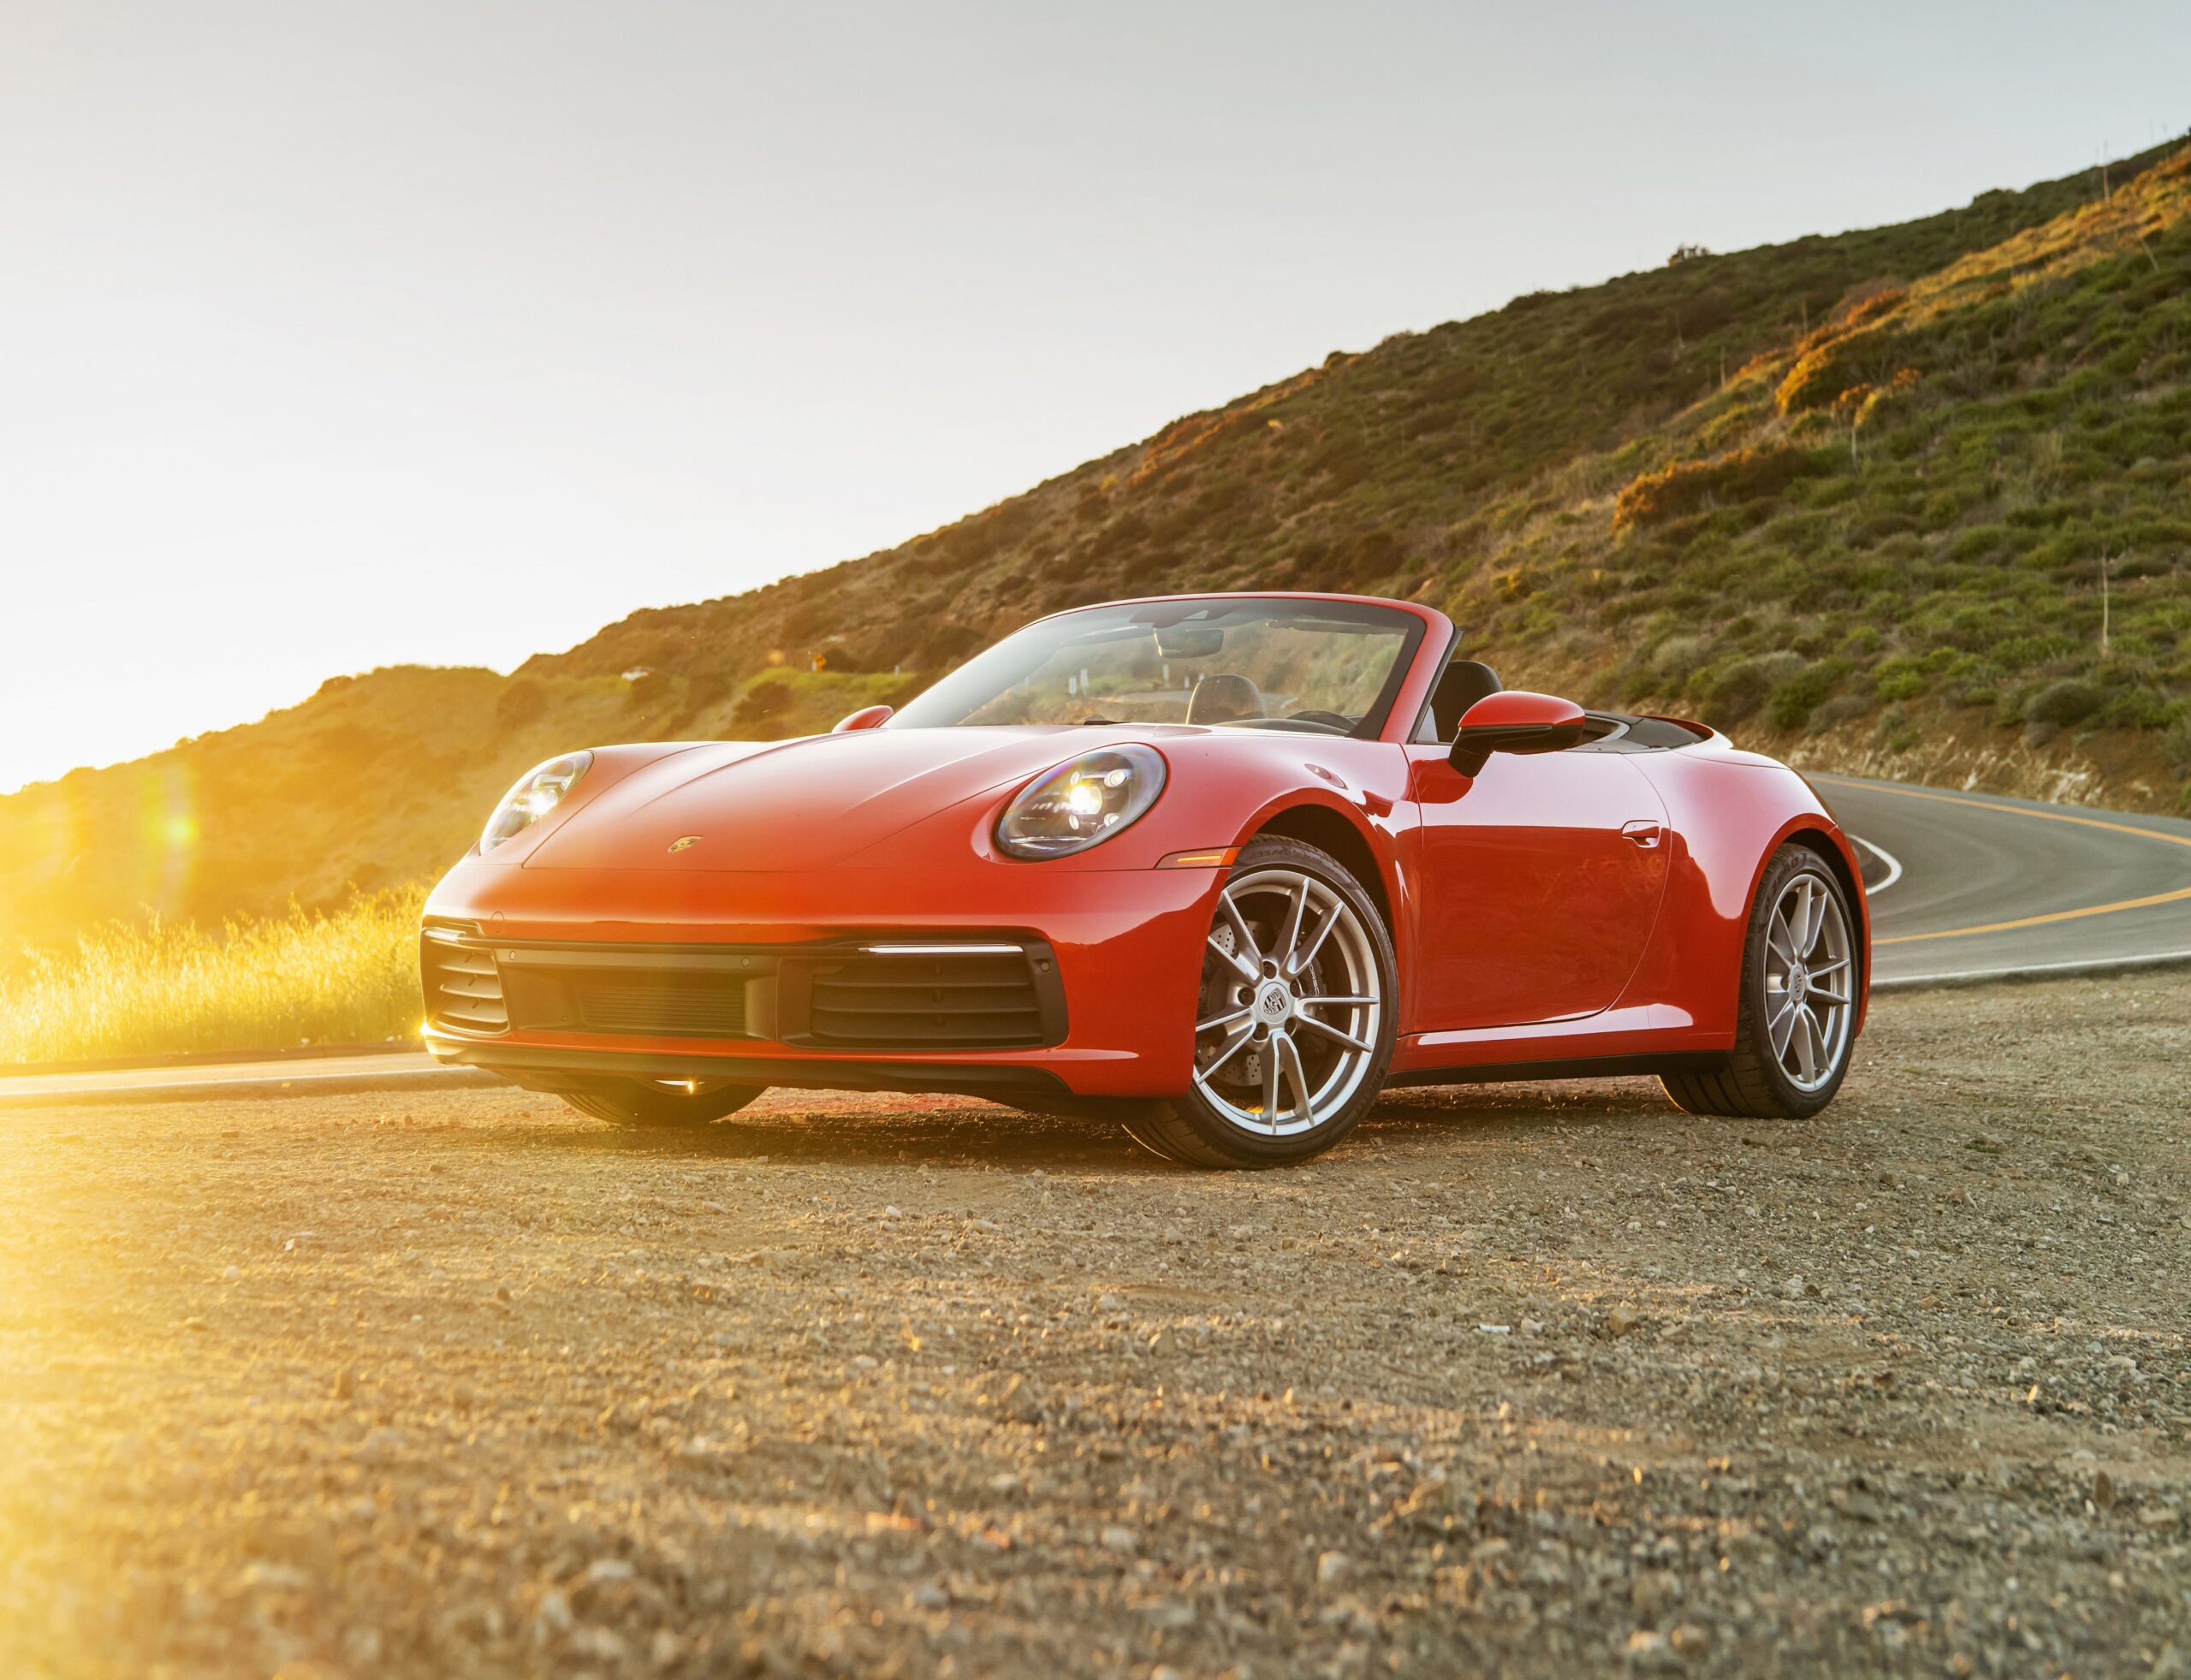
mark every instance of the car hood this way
{"type": "Point", "coordinates": [800, 804]}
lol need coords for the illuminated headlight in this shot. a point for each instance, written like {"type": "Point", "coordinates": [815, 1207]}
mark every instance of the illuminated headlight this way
{"type": "Point", "coordinates": [536, 793]}
{"type": "Point", "coordinates": [1082, 804]}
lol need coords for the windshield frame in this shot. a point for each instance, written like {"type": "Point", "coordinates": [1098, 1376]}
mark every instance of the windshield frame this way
{"type": "Point", "coordinates": [1413, 623]}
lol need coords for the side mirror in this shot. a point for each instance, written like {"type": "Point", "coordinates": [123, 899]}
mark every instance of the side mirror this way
{"type": "Point", "coordinates": [1514, 721]}
{"type": "Point", "coordinates": [867, 717]}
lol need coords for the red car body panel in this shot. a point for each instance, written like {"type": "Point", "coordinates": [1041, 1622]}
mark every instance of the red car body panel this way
{"type": "Point", "coordinates": [1554, 913]}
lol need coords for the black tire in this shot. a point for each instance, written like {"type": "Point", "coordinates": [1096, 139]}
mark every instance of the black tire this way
{"type": "Point", "coordinates": [1192, 1130]}
{"type": "Point", "coordinates": [643, 1104]}
{"type": "Point", "coordinates": [1752, 1083]}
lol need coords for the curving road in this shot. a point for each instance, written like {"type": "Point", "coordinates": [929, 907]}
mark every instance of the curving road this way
{"type": "Point", "coordinates": [1963, 886]}
{"type": "Point", "coordinates": [1971, 886]}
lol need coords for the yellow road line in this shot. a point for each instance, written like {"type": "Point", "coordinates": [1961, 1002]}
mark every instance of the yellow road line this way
{"type": "Point", "coordinates": [2180, 894]}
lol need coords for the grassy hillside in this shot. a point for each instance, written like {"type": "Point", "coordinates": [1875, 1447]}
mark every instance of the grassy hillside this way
{"type": "Point", "coordinates": [1914, 499]}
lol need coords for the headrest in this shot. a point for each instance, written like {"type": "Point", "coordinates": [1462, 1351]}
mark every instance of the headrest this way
{"type": "Point", "coordinates": [1224, 697]}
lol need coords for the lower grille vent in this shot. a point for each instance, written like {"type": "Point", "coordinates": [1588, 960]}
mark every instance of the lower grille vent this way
{"type": "Point", "coordinates": [666, 1006]}
{"type": "Point", "coordinates": [971, 1000]}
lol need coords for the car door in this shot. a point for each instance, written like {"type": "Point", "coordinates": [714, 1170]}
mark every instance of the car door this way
{"type": "Point", "coordinates": [1540, 884]}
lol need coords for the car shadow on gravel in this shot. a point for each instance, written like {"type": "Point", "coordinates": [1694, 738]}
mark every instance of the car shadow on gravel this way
{"type": "Point", "coordinates": [963, 1132]}
{"type": "Point", "coordinates": [1427, 1109]}
{"type": "Point", "coordinates": [970, 1136]}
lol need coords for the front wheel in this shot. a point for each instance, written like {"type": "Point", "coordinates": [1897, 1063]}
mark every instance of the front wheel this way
{"type": "Point", "coordinates": [1796, 1017]}
{"type": "Point", "coordinates": [659, 1104]}
{"type": "Point", "coordinates": [1294, 1024]}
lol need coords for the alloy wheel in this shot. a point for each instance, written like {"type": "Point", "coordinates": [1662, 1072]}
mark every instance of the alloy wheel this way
{"type": "Point", "coordinates": [1809, 982]}
{"type": "Point", "coordinates": [1292, 1004]}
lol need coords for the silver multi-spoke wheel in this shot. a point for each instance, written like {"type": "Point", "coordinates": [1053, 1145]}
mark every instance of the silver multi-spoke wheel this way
{"type": "Point", "coordinates": [1292, 1004]}
{"type": "Point", "coordinates": [1797, 997]}
{"type": "Point", "coordinates": [1809, 982]}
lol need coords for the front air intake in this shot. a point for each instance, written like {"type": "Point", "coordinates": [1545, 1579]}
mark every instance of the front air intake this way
{"type": "Point", "coordinates": [463, 988]}
{"type": "Point", "coordinates": [914, 997]}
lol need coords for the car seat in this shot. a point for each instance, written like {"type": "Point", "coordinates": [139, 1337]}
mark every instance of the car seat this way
{"type": "Point", "coordinates": [1224, 697]}
{"type": "Point", "coordinates": [1465, 681]}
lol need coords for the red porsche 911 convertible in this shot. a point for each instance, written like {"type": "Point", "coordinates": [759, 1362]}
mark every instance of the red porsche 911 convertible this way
{"type": "Point", "coordinates": [1217, 867]}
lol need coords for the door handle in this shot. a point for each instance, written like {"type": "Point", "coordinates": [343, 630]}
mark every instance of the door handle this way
{"type": "Point", "coordinates": [1644, 831]}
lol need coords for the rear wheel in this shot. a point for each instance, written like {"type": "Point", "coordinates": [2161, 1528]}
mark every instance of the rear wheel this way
{"type": "Point", "coordinates": [1795, 1020]}
{"type": "Point", "coordinates": [659, 1104]}
{"type": "Point", "coordinates": [1294, 1022]}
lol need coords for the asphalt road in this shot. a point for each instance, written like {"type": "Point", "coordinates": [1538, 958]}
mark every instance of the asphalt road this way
{"type": "Point", "coordinates": [1978, 887]}
{"type": "Point", "coordinates": [1963, 886]}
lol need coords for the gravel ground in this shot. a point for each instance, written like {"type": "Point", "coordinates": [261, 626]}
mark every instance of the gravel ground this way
{"type": "Point", "coordinates": [1543, 1380]}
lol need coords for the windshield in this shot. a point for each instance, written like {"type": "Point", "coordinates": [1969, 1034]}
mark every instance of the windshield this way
{"type": "Point", "coordinates": [1320, 667]}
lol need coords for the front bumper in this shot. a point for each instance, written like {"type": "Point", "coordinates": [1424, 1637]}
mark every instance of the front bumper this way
{"type": "Point", "coordinates": [1065, 983]}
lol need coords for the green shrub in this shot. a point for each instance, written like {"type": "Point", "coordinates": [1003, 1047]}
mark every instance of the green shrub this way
{"type": "Point", "coordinates": [1795, 696]}
{"type": "Point", "coordinates": [520, 703]}
{"type": "Point", "coordinates": [2068, 702]}
{"type": "Point", "coordinates": [760, 709]}
{"type": "Point", "coordinates": [1738, 689]}
{"type": "Point", "coordinates": [1902, 678]}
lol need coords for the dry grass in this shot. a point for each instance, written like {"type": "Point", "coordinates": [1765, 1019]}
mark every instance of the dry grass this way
{"type": "Point", "coordinates": [304, 979]}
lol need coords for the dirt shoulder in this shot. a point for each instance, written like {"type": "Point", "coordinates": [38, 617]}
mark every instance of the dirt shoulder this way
{"type": "Point", "coordinates": [1549, 1380]}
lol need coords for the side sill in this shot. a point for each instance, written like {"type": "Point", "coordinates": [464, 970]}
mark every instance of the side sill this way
{"type": "Point", "coordinates": [1584, 1067]}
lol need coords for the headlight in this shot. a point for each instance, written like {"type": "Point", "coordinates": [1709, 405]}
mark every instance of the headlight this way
{"type": "Point", "coordinates": [537, 791]}
{"type": "Point", "coordinates": [1082, 804]}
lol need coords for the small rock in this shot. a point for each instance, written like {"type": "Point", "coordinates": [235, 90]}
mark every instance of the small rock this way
{"type": "Point", "coordinates": [600, 1643]}
{"type": "Point", "coordinates": [1793, 1289]}
{"type": "Point", "coordinates": [929, 1596]}
{"type": "Point", "coordinates": [1622, 1321]}
{"type": "Point", "coordinates": [608, 1569]}
{"type": "Point", "coordinates": [274, 1577]}
{"type": "Point", "coordinates": [551, 1618]}
{"type": "Point", "coordinates": [362, 1645]}
{"type": "Point", "coordinates": [2103, 1491]}
{"type": "Point", "coordinates": [1691, 1640]}
{"type": "Point", "coordinates": [1532, 1326]}
{"type": "Point", "coordinates": [1110, 1303]}
{"type": "Point", "coordinates": [1651, 1593]}
{"type": "Point", "coordinates": [345, 1383]}
{"type": "Point", "coordinates": [194, 1322]}
{"type": "Point", "coordinates": [892, 1214]}
{"type": "Point", "coordinates": [665, 1648]}
{"type": "Point", "coordinates": [863, 1361]}
{"type": "Point", "coordinates": [1651, 1653]}
{"type": "Point", "coordinates": [379, 1446]}
{"type": "Point", "coordinates": [2160, 1518]}
{"type": "Point", "coordinates": [1331, 1566]}
{"type": "Point", "coordinates": [1863, 1507]}
{"type": "Point", "coordinates": [1120, 1538]}
{"type": "Point", "coordinates": [1437, 1505]}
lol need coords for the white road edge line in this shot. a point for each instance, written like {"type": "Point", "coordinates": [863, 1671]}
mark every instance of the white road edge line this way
{"type": "Point", "coordinates": [1893, 864]}
{"type": "Point", "coordinates": [2087, 965]}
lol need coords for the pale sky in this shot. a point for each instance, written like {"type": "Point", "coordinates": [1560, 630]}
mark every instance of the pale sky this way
{"type": "Point", "coordinates": [340, 335]}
